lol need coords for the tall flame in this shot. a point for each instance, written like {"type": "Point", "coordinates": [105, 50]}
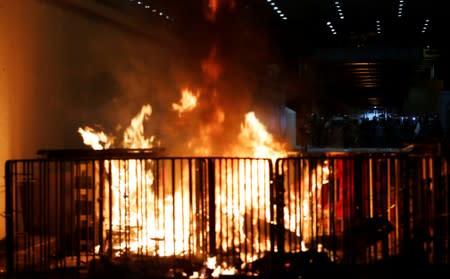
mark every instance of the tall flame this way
{"type": "Point", "coordinates": [133, 190]}
{"type": "Point", "coordinates": [133, 136]}
{"type": "Point", "coordinates": [154, 220]}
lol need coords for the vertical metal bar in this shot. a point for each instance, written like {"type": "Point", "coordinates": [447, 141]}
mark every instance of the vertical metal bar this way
{"type": "Point", "coordinates": [93, 212]}
{"type": "Point", "coordinates": [212, 206]}
{"type": "Point", "coordinates": [434, 165]}
{"type": "Point", "coordinates": [279, 186]}
{"type": "Point", "coordinates": [193, 211]}
{"type": "Point", "coordinates": [332, 203]}
{"type": "Point", "coordinates": [445, 211]}
{"type": "Point", "coordinates": [110, 209]}
{"type": "Point", "coordinates": [398, 180]}
{"type": "Point", "coordinates": [62, 241]}
{"type": "Point", "coordinates": [388, 207]}
{"type": "Point", "coordinates": [172, 180]}
{"type": "Point", "coordinates": [100, 205]}
{"type": "Point", "coordinates": [371, 198]}
{"type": "Point", "coordinates": [75, 207]}
{"type": "Point", "coordinates": [45, 250]}
{"type": "Point", "coordinates": [10, 166]}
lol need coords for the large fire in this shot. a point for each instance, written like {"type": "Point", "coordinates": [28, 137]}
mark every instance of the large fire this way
{"type": "Point", "coordinates": [253, 141]}
{"type": "Point", "coordinates": [160, 234]}
{"type": "Point", "coordinates": [156, 221]}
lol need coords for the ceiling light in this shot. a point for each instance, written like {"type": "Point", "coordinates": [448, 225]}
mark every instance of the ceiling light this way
{"type": "Point", "coordinates": [378, 25]}
{"type": "Point", "coordinates": [333, 31]}
{"type": "Point", "coordinates": [425, 25]}
{"type": "Point", "coordinates": [146, 5]}
{"type": "Point", "coordinates": [339, 9]}
{"type": "Point", "coordinates": [400, 8]}
{"type": "Point", "coordinates": [277, 9]}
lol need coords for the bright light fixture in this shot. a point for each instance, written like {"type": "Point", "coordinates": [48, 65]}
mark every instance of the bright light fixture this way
{"type": "Point", "coordinates": [339, 9]}
{"type": "Point", "coordinates": [400, 8]}
{"type": "Point", "coordinates": [277, 9]}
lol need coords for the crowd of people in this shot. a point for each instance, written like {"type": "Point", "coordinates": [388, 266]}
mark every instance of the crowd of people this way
{"type": "Point", "coordinates": [363, 130]}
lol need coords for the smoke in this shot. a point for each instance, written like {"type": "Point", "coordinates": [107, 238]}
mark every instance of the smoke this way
{"type": "Point", "coordinates": [238, 63]}
{"type": "Point", "coordinates": [225, 60]}
{"type": "Point", "coordinates": [89, 70]}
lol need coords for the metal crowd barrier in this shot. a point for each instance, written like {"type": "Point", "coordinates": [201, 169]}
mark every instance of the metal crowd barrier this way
{"type": "Point", "coordinates": [67, 213]}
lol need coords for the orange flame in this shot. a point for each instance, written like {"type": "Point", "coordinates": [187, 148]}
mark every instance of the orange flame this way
{"type": "Point", "coordinates": [97, 140]}
{"type": "Point", "coordinates": [159, 233]}
{"type": "Point", "coordinates": [134, 135]}
{"type": "Point", "coordinates": [256, 141]}
{"type": "Point", "coordinates": [214, 5]}
{"type": "Point", "coordinates": [187, 103]}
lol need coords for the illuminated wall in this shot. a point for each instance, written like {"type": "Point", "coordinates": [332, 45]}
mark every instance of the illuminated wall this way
{"type": "Point", "coordinates": [63, 66]}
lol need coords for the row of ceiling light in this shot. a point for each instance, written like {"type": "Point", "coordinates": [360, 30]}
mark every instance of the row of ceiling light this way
{"type": "Point", "coordinates": [146, 5]}
{"type": "Point", "coordinates": [330, 25]}
{"type": "Point", "coordinates": [425, 26]}
{"type": "Point", "coordinates": [378, 22]}
{"type": "Point", "coordinates": [339, 9]}
{"type": "Point", "coordinates": [400, 8]}
{"type": "Point", "coordinates": [340, 14]}
{"type": "Point", "coordinates": [277, 9]}
{"type": "Point", "coordinates": [401, 4]}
